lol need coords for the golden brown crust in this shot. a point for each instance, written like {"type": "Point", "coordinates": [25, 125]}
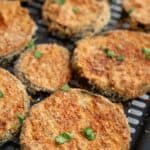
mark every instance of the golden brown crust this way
{"type": "Point", "coordinates": [73, 111]}
{"type": "Point", "coordinates": [49, 72]}
{"type": "Point", "coordinates": [129, 78]}
{"type": "Point", "coordinates": [14, 102]}
{"type": "Point", "coordinates": [16, 28]}
{"type": "Point", "coordinates": [76, 17]}
{"type": "Point", "coordinates": [139, 10]}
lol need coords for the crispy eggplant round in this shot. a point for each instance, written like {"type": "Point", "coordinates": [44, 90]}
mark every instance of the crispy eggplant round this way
{"type": "Point", "coordinates": [45, 68]}
{"type": "Point", "coordinates": [74, 112]}
{"type": "Point", "coordinates": [14, 105]}
{"type": "Point", "coordinates": [76, 18]}
{"type": "Point", "coordinates": [16, 30]}
{"type": "Point", "coordinates": [117, 63]}
{"type": "Point", "coordinates": [139, 12]}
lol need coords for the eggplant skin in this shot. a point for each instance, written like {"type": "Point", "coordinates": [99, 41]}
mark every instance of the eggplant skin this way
{"type": "Point", "coordinates": [78, 23]}
{"type": "Point", "coordinates": [119, 80]}
{"type": "Point", "coordinates": [72, 111]}
{"type": "Point", "coordinates": [47, 73]}
{"type": "Point", "coordinates": [15, 102]}
{"type": "Point", "coordinates": [31, 88]}
{"type": "Point", "coordinates": [5, 61]}
{"type": "Point", "coordinates": [114, 96]}
{"type": "Point", "coordinates": [17, 29]}
{"type": "Point", "coordinates": [138, 13]}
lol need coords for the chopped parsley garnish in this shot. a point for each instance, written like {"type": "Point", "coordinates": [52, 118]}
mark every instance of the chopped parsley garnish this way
{"type": "Point", "coordinates": [146, 52]}
{"type": "Point", "coordinates": [38, 54]}
{"type": "Point", "coordinates": [89, 134]}
{"type": "Point", "coordinates": [65, 88]}
{"type": "Point", "coordinates": [31, 44]}
{"type": "Point", "coordinates": [1, 94]}
{"type": "Point", "coordinates": [63, 138]}
{"type": "Point", "coordinates": [109, 53]}
{"type": "Point", "coordinates": [75, 10]}
{"type": "Point", "coordinates": [120, 58]}
{"type": "Point", "coordinates": [60, 2]}
{"type": "Point", "coordinates": [113, 1]}
{"type": "Point", "coordinates": [21, 119]}
{"type": "Point", "coordinates": [130, 11]}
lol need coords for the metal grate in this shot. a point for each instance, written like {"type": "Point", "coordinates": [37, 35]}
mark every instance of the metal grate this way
{"type": "Point", "coordinates": [135, 109]}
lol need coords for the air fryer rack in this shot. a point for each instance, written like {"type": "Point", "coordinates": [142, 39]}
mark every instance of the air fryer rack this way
{"type": "Point", "coordinates": [136, 110]}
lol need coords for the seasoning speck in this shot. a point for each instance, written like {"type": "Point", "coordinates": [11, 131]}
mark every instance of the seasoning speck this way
{"type": "Point", "coordinates": [21, 119]}
{"type": "Point", "coordinates": [63, 138]}
{"type": "Point", "coordinates": [89, 134]}
{"type": "Point", "coordinates": [146, 52]}
{"type": "Point", "coordinates": [1, 94]}
{"type": "Point", "coordinates": [109, 53]}
{"type": "Point", "coordinates": [130, 11]}
{"type": "Point", "coordinates": [38, 54]}
{"type": "Point", "coordinates": [75, 10]}
{"type": "Point", "coordinates": [65, 88]}
{"type": "Point", "coordinates": [120, 58]}
{"type": "Point", "coordinates": [31, 44]}
{"type": "Point", "coordinates": [60, 2]}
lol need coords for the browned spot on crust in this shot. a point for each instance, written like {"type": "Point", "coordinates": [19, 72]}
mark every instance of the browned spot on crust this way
{"type": "Point", "coordinates": [73, 111]}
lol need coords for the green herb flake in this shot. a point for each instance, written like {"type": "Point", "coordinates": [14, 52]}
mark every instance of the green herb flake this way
{"type": "Point", "coordinates": [130, 11]}
{"type": "Point", "coordinates": [89, 134]}
{"type": "Point", "coordinates": [146, 52]}
{"type": "Point", "coordinates": [120, 58]}
{"type": "Point", "coordinates": [113, 1]}
{"type": "Point", "coordinates": [31, 44]}
{"type": "Point", "coordinates": [109, 53]}
{"type": "Point", "coordinates": [60, 2]}
{"type": "Point", "coordinates": [38, 54]}
{"type": "Point", "coordinates": [21, 119]}
{"type": "Point", "coordinates": [65, 88]}
{"type": "Point", "coordinates": [1, 94]}
{"type": "Point", "coordinates": [75, 10]}
{"type": "Point", "coordinates": [63, 138]}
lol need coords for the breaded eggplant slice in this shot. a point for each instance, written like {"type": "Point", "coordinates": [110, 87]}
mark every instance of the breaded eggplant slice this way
{"type": "Point", "coordinates": [14, 105]}
{"type": "Point", "coordinates": [16, 30]}
{"type": "Point", "coordinates": [139, 12]}
{"type": "Point", "coordinates": [45, 68]}
{"type": "Point", "coordinates": [72, 112]}
{"type": "Point", "coordinates": [75, 18]}
{"type": "Point", "coordinates": [117, 63]}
